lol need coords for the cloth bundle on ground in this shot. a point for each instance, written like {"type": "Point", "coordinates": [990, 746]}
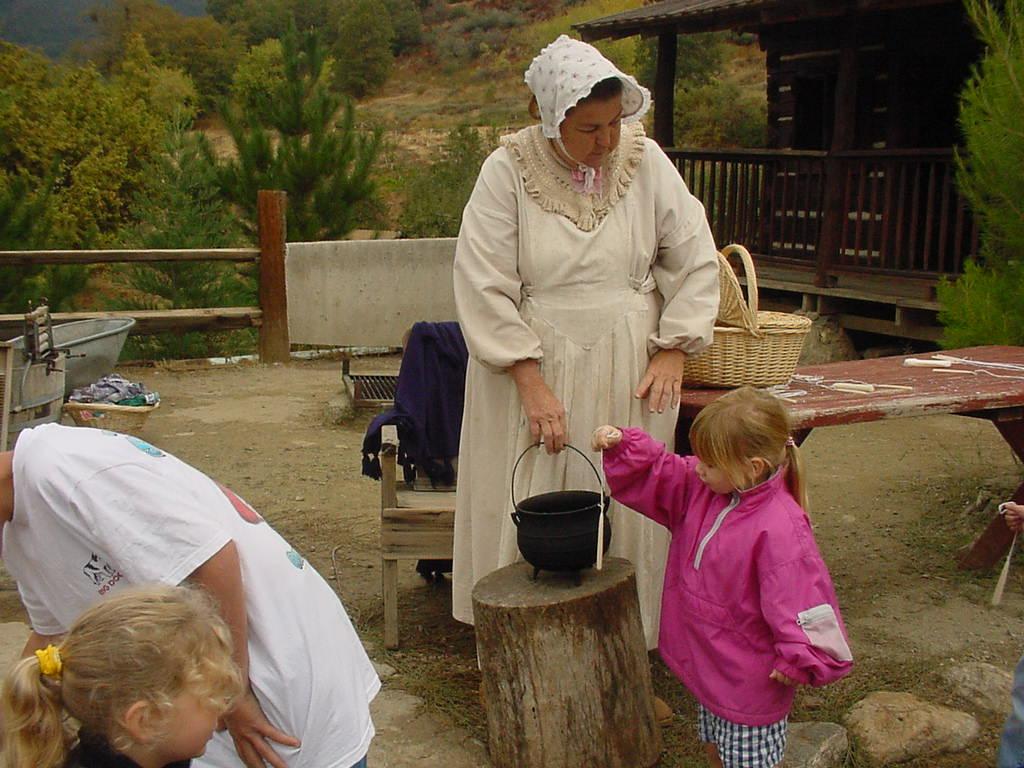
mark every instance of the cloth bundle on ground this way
{"type": "Point", "coordinates": [428, 405]}
{"type": "Point", "coordinates": [116, 390]}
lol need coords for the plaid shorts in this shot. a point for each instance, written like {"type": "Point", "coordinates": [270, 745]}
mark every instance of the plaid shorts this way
{"type": "Point", "coordinates": [743, 746]}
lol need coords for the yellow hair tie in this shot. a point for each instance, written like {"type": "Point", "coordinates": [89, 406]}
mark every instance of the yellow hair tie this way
{"type": "Point", "coordinates": [50, 664]}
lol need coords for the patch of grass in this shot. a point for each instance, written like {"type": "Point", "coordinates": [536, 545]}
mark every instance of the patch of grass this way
{"type": "Point", "coordinates": [437, 657]}
{"type": "Point", "coordinates": [960, 513]}
{"type": "Point", "coordinates": [535, 36]}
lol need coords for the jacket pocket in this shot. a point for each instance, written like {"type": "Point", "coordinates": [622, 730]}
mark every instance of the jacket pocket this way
{"type": "Point", "coordinates": [704, 611]}
{"type": "Point", "coordinates": [822, 629]}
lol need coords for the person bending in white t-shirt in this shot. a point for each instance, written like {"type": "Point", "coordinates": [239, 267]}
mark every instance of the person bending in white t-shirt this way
{"type": "Point", "coordinates": [87, 512]}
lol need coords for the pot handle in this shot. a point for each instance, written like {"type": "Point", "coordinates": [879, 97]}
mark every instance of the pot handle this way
{"type": "Point", "coordinates": [515, 467]}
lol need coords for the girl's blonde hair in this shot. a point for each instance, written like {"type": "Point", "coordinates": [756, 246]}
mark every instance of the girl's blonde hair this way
{"type": "Point", "coordinates": [151, 645]}
{"type": "Point", "coordinates": [744, 424]}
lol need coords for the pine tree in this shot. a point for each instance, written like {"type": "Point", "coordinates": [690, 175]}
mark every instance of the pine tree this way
{"type": "Point", "coordinates": [306, 144]}
{"type": "Point", "coordinates": [24, 225]}
{"type": "Point", "coordinates": [181, 207]}
{"type": "Point", "coordinates": [983, 306]}
{"type": "Point", "coordinates": [992, 103]}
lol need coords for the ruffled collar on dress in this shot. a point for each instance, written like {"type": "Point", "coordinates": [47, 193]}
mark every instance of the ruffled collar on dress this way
{"type": "Point", "coordinates": [549, 182]}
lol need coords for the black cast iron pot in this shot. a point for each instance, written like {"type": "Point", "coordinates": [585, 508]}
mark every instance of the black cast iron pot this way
{"type": "Point", "coordinates": [557, 531]}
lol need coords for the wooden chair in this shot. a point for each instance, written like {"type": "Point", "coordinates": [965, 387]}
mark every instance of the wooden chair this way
{"type": "Point", "coordinates": [414, 525]}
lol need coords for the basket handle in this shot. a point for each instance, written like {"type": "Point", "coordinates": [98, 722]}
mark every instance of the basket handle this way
{"type": "Point", "coordinates": [749, 274]}
{"type": "Point", "coordinates": [512, 490]}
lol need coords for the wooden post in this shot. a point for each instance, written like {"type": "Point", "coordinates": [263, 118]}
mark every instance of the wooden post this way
{"type": "Point", "coordinates": [665, 89]}
{"type": "Point", "coordinates": [274, 346]}
{"type": "Point", "coordinates": [843, 137]}
{"type": "Point", "coordinates": [389, 500]}
{"type": "Point", "coordinates": [566, 679]}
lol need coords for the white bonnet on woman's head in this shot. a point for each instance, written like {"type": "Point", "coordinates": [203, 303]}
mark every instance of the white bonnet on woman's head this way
{"type": "Point", "coordinates": [565, 72]}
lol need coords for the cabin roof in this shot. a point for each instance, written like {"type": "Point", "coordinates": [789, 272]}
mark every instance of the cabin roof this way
{"type": "Point", "coordinates": [706, 15]}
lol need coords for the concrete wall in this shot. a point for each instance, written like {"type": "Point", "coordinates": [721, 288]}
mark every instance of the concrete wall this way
{"type": "Point", "coordinates": [367, 293]}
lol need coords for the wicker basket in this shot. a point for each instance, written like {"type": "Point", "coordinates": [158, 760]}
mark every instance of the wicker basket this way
{"type": "Point", "coordinates": [117, 418]}
{"type": "Point", "coordinates": [750, 347]}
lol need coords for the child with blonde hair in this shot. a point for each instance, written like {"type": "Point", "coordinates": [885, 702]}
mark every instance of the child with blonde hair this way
{"type": "Point", "coordinates": [146, 674]}
{"type": "Point", "coordinates": [748, 609]}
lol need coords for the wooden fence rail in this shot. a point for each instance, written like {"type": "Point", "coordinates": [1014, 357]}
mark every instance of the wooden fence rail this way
{"type": "Point", "coordinates": [270, 317]}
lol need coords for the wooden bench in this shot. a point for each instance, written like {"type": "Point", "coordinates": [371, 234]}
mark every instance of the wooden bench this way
{"type": "Point", "coordinates": [414, 525]}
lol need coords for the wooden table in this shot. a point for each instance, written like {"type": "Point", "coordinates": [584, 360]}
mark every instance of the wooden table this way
{"type": "Point", "coordinates": [979, 395]}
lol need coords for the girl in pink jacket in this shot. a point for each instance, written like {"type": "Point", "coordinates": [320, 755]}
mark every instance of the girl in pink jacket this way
{"type": "Point", "coordinates": [748, 610]}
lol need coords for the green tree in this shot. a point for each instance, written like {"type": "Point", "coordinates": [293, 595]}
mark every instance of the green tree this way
{"type": "Point", "coordinates": [306, 144]}
{"type": "Point", "coordinates": [72, 149]}
{"type": "Point", "coordinates": [363, 47]}
{"type": "Point", "coordinates": [699, 58]}
{"type": "Point", "coordinates": [259, 82]}
{"type": "Point", "coordinates": [406, 24]}
{"type": "Point", "coordinates": [224, 11]}
{"type": "Point", "coordinates": [170, 92]}
{"type": "Point", "coordinates": [181, 207]}
{"type": "Point", "coordinates": [260, 20]}
{"type": "Point", "coordinates": [983, 306]}
{"type": "Point", "coordinates": [436, 195]}
{"type": "Point", "coordinates": [201, 47]}
{"type": "Point", "coordinates": [90, 137]}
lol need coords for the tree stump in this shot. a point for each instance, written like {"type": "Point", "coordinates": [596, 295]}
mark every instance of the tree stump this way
{"type": "Point", "coordinates": [566, 678]}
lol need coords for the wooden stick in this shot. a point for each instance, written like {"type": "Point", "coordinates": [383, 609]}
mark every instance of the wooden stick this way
{"type": "Point", "coordinates": [997, 596]}
{"type": "Point", "coordinates": [600, 536]}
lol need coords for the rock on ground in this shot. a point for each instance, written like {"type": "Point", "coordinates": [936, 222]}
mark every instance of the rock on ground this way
{"type": "Point", "coordinates": [894, 727]}
{"type": "Point", "coordinates": [826, 342]}
{"type": "Point", "coordinates": [815, 745]}
{"type": "Point", "coordinates": [985, 686]}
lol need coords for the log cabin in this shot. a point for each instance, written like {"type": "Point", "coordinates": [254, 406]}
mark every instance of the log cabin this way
{"type": "Point", "coordinates": [852, 208]}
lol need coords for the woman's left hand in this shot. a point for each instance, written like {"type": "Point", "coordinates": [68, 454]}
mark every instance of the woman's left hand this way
{"type": "Point", "coordinates": [663, 380]}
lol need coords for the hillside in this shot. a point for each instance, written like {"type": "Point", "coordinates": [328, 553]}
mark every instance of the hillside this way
{"type": "Point", "coordinates": [64, 23]}
{"type": "Point", "coordinates": [428, 95]}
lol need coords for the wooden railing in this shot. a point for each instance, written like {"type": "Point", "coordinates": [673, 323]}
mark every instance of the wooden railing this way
{"type": "Point", "coordinates": [895, 212]}
{"type": "Point", "coordinates": [270, 317]}
{"type": "Point", "coordinates": [904, 213]}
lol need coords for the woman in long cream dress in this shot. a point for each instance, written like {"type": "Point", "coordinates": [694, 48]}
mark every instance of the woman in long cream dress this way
{"type": "Point", "coordinates": [585, 273]}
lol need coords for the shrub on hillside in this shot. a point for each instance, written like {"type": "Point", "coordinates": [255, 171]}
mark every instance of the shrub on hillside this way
{"type": "Point", "coordinates": [436, 195]}
{"type": "Point", "coordinates": [718, 114]}
{"type": "Point", "coordinates": [487, 20]}
{"type": "Point", "coordinates": [406, 24]}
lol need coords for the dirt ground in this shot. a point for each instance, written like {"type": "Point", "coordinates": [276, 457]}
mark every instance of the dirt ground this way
{"type": "Point", "coordinates": [891, 504]}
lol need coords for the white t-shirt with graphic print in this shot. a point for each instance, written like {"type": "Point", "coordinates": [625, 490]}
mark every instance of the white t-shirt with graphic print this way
{"type": "Point", "coordinates": [95, 511]}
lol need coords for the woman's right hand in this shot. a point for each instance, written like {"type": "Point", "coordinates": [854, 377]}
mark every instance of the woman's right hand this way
{"type": "Point", "coordinates": [1013, 513]}
{"type": "Point", "coordinates": [544, 412]}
